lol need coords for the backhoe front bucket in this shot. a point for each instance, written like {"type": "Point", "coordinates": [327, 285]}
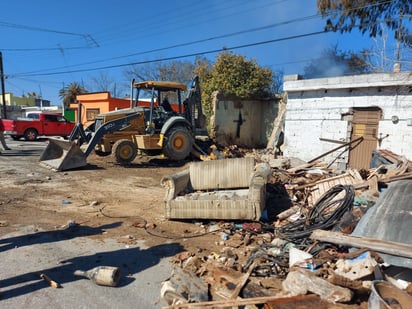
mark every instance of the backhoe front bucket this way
{"type": "Point", "coordinates": [62, 155]}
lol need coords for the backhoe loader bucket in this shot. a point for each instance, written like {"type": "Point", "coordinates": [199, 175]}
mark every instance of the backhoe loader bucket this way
{"type": "Point", "coordinates": [62, 155]}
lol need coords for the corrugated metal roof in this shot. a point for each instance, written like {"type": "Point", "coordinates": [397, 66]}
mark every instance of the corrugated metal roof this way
{"type": "Point", "coordinates": [390, 219]}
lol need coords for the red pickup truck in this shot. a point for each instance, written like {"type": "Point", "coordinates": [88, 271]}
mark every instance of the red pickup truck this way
{"type": "Point", "coordinates": [38, 124]}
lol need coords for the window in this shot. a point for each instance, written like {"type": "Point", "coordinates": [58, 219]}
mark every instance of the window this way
{"type": "Point", "coordinates": [51, 118]}
{"type": "Point", "coordinates": [33, 116]}
{"type": "Point", "coordinates": [91, 113]}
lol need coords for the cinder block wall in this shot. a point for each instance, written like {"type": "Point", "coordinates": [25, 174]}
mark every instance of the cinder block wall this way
{"type": "Point", "coordinates": [257, 118]}
{"type": "Point", "coordinates": [321, 108]}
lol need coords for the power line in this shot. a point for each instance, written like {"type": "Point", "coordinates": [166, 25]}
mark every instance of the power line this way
{"type": "Point", "coordinates": [36, 73]}
{"type": "Point", "coordinates": [181, 56]}
{"type": "Point", "coordinates": [170, 22]}
{"type": "Point", "coordinates": [87, 37]}
{"type": "Point", "coordinates": [18, 26]}
{"type": "Point", "coordinates": [195, 54]}
{"type": "Point", "coordinates": [192, 42]}
{"type": "Point", "coordinates": [190, 55]}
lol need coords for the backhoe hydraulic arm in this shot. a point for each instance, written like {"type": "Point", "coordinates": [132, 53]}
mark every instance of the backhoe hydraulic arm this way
{"type": "Point", "coordinates": [109, 127]}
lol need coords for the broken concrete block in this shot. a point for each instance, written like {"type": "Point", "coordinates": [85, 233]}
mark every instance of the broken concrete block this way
{"type": "Point", "coordinates": [184, 286]}
{"type": "Point", "coordinates": [356, 268]}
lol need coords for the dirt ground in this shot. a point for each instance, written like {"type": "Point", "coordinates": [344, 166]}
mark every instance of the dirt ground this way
{"type": "Point", "coordinates": [114, 201]}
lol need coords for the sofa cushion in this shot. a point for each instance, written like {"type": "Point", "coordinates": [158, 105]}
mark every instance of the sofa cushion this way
{"type": "Point", "coordinates": [221, 174]}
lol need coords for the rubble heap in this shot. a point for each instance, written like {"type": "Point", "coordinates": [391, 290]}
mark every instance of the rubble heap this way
{"type": "Point", "coordinates": [301, 252]}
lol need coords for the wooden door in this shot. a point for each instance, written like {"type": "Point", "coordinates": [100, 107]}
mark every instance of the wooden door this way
{"type": "Point", "coordinates": [365, 123]}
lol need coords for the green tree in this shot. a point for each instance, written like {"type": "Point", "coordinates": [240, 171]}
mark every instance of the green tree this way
{"type": "Point", "coordinates": [233, 75]}
{"type": "Point", "coordinates": [68, 93]}
{"type": "Point", "coordinates": [333, 62]}
{"type": "Point", "coordinates": [202, 67]}
{"type": "Point", "coordinates": [367, 15]}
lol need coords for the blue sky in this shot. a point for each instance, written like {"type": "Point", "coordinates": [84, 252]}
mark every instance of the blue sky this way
{"type": "Point", "coordinates": [48, 44]}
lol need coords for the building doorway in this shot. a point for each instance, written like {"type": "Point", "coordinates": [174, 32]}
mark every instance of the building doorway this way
{"type": "Point", "coordinates": [365, 124]}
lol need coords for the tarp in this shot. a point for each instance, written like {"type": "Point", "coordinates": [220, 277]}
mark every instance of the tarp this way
{"type": "Point", "coordinates": [390, 219]}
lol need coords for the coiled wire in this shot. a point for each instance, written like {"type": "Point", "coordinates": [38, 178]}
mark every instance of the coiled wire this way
{"type": "Point", "coordinates": [327, 212]}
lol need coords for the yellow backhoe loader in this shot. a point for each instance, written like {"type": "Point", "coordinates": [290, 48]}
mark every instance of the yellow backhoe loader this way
{"type": "Point", "coordinates": [171, 129]}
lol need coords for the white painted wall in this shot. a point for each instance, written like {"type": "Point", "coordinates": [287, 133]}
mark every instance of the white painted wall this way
{"type": "Point", "coordinates": [316, 109]}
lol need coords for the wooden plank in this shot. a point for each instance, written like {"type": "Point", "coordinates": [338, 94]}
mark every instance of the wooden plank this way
{"type": "Point", "coordinates": [324, 185]}
{"type": "Point", "coordinates": [277, 125]}
{"type": "Point", "coordinates": [243, 280]}
{"type": "Point", "coordinates": [375, 171]}
{"type": "Point", "coordinates": [373, 185]}
{"type": "Point", "coordinates": [383, 246]}
{"type": "Point", "coordinates": [332, 141]}
{"type": "Point", "coordinates": [361, 185]}
{"type": "Point", "coordinates": [242, 302]}
{"type": "Point", "coordinates": [337, 148]}
{"type": "Point", "coordinates": [398, 177]}
{"type": "Point", "coordinates": [312, 184]}
{"type": "Point", "coordinates": [293, 170]}
{"type": "Point", "coordinates": [355, 174]}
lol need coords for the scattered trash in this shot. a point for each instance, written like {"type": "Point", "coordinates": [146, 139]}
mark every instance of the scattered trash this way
{"type": "Point", "coordinates": [183, 287]}
{"type": "Point", "coordinates": [386, 295]}
{"type": "Point", "coordinates": [101, 275]}
{"type": "Point", "coordinates": [50, 282]}
{"type": "Point", "coordinates": [94, 203]}
{"type": "Point", "coordinates": [71, 223]}
{"type": "Point", "coordinates": [300, 258]}
{"type": "Point", "coordinates": [356, 268]}
{"type": "Point", "coordinates": [299, 282]}
{"type": "Point", "coordinates": [224, 236]}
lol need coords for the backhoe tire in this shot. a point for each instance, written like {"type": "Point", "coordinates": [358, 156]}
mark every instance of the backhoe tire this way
{"type": "Point", "coordinates": [178, 143]}
{"type": "Point", "coordinates": [30, 135]}
{"type": "Point", "coordinates": [124, 151]}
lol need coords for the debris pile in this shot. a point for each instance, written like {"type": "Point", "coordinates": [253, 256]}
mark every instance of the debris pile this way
{"type": "Point", "coordinates": [301, 252]}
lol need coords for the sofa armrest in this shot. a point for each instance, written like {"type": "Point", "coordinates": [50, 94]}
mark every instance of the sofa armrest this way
{"type": "Point", "coordinates": [175, 184]}
{"type": "Point", "coordinates": [258, 180]}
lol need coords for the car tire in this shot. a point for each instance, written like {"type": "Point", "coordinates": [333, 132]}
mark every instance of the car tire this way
{"type": "Point", "coordinates": [30, 135]}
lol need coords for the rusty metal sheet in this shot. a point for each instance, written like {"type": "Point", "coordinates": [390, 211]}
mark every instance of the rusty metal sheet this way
{"type": "Point", "coordinates": [298, 302]}
{"type": "Point", "coordinates": [390, 219]}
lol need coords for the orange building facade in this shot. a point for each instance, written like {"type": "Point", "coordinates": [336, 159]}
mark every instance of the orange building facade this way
{"type": "Point", "coordinates": [92, 104]}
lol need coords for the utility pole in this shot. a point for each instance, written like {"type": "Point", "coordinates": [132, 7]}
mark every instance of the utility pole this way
{"type": "Point", "coordinates": [3, 91]}
{"type": "Point", "coordinates": [41, 99]}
